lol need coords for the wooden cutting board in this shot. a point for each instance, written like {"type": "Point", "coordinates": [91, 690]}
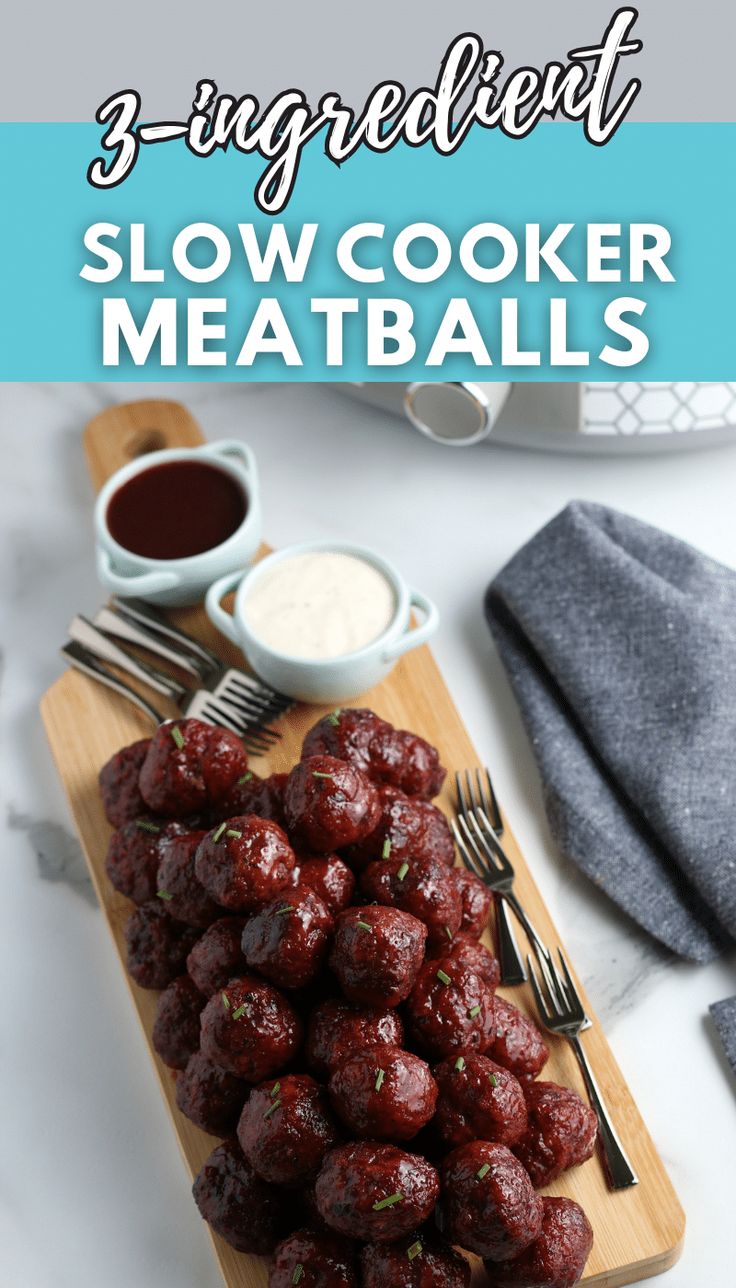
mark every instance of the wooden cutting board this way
{"type": "Point", "coordinates": [638, 1232]}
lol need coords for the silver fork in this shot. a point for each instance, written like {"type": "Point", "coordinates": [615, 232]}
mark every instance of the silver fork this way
{"type": "Point", "coordinates": [474, 794]}
{"type": "Point", "coordinates": [562, 1012]}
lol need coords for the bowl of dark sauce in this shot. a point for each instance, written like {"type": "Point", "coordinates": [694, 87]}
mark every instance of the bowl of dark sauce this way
{"type": "Point", "coordinates": [171, 522]}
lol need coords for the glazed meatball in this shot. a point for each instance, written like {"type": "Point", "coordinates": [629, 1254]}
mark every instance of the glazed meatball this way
{"type": "Point", "coordinates": [209, 1097]}
{"type": "Point", "coordinates": [517, 1043]}
{"type": "Point", "coordinates": [250, 794]}
{"type": "Point", "coordinates": [476, 901]}
{"type": "Point", "coordinates": [188, 765]}
{"type": "Point", "coordinates": [466, 951]}
{"type": "Point", "coordinates": [249, 1029]}
{"type": "Point", "coordinates": [375, 1192]}
{"type": "Point", "coordinates": [376, 954]}
{"type": "Point", "coordinates": [423, 887]}
{"type": "Point", "coordinates": [385, 754]}
{"type": "Point", "coordinates": [450, 1009]}
{"type": "Point", "coordinates": [329, 804]}
{"type": "Point", "coordinates": [118, 780]}
{"type": "Point", "coordinates": [383, 1094]}
{"type": "Point", "coordinates": [329, 877]}
{"type": "Point", "coordinates": [409, 828]}
{"type": "Point", "coordinates": [156, 945]}
{"type": "Point", "coordinates": [488, 1203]}
{"type": "Point", "coordinates": [133, 856]}
{"type": "Point", "coordinates": [337, 1029]}
{"type": "Point", "coordinates": [176, 1027]}
{"type": "Point", "coordinates": [287, 940]}
{"type": "Point", "coordinates": [556, 1258]}
{"type": "Point", "coordinates": [244, 1210]}
{"type": "Point", "coordinates": [478, 1100]}
{"type": "Point", "coordinates": [286, 1128]}
{"type": "Point", "coordinates": [562, 1132]}
{"type": "Point", "coordinates": [217, 955]}
{"type": "Point", "coordinates": [418, 1261]}
{"type": "Point", "coordinates": [185, 897]}
{"type": "Point", "coordinates": [313, 1259]}
{"type": "Point", "coordinates": [244, 862]}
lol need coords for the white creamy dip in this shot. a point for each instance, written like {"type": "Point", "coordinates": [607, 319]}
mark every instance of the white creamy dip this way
{"type": "Point", "coordinates": [319, 605]}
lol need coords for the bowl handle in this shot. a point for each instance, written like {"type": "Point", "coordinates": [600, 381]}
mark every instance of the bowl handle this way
{"type": "Point", "coordinates": [414, 636]}
{"type": "Point", "coordinates": [135, 585]}
{"type": "Point", "coordinates": [233, 447]}
{"type": "Point", "coordinates": [225, 622]}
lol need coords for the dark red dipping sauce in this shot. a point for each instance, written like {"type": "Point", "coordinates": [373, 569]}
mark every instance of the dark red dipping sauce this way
{"type": "Point", "coordinates": [176, 509]}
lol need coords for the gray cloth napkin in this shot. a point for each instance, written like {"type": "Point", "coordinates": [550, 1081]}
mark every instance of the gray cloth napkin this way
{"type": "Point", "coordinates": [620, 644]}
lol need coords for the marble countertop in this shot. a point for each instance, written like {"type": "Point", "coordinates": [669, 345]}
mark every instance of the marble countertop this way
{"type": "Point", "coordinates": [91, 1185]}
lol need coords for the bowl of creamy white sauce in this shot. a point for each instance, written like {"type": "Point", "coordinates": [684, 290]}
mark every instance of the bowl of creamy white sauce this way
{"type": "Point", "coordinates": [322, 621]}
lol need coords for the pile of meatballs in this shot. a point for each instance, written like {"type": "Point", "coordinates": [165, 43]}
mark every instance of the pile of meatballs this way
{"type": "Point", "coordinates": [333, 1017]}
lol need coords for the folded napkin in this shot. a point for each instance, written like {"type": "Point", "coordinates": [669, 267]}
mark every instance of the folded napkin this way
{"type": "Point", "coordinates": [620, 644]}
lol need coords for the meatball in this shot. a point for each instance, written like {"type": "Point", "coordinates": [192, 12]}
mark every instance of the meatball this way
{"type": "Point", "coordinates": [250, 1030]}
{"type": "Point", "coordinates": [376, 954]}
{"type": "Point", "coordinates": [133, 856]}
{"type": "Point", "coordinates": [250, 794]}
{"type": "Point", "coordinates": [517, 1043]}
{"type": "Point", "coordinates": [329, 877]}
{"type": "Point", "coordinates": [476, 901]}
{"type": "Point", "coordinates": [478, 1100]}
{"type": "Point", "coordinates": [556, 1258]}
{"type": "Point", "coordinates": [287, 940]}
{"type": "Point", "coordinates": [118, 780]}
{"type": "Point", "coordinates": [418, 1261]}
{"type": "Point", "coordinates": [217, 955]}
{"type": "Point", "coordinates": [188, 765]}
{"type": "Point", "coordinates": [240, 1207]}
{"type": "Point", "coordinates": [176, 1027]}
{"type": "Point", "coordinates": [185, 897]}
{"type": "Point", "coordinates": [286, 1128]}
{"type": "Point", "coordinates": [409, 828]}
{"type": "Point", "coordinates": [244, 862]}
{"type": "Point", "coordinates": [562, 1132]}
{"type": "Point", "coordinates": [313, 1259]}
{"type": "Point", "coordinates": [375, 1192]}
{"type": "Point", "coordinates": [156, 945]}
{"type": "Point", "coordinates": [383, 1094]}
{"type": "Point", "coordinates": [450, 1009]}
{"type": "Point", "coordinates": [423, 887]}
{"type": "Point", "coordinates": [329, 804]}
{"type": "Point", "coordinates": [337, 1029]}
{"type": "Point", "coordinates": [209, 1097]}
{"type": "Point", "coordinates": [466, 951]}
{"type": "Point", "coordinates": [488, 1203]}
{"type": "Point", "coordinates": [385, 754]}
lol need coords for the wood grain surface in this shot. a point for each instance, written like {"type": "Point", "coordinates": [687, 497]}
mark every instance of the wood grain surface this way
{"type": "Point", "coordinates": [638, 1232]}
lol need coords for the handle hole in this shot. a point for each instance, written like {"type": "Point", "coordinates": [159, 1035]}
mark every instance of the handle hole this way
{"type": "Point", "coordinates": [145, 441]}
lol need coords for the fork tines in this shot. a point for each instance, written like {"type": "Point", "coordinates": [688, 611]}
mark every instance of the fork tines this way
{"type": "Point", "coordinates": [564, 1006]}
{"type": "Point", "coordinates": [478, 795]}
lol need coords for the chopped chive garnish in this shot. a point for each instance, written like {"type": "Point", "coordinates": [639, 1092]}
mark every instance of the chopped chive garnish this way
{"type": "Point", "coordinates": [178, 736]}
{"type": "Point", "coordinates": [460, 1063]}
{"type": "Point", "coordinates": [334, 718]}
{"type": "Point", "coordinates": [164, 894]}
{"type": "Point", "coordinates": [219, 831]}
{"type": "Point", "coordinates": [386, 848]}
{"type": "Point", "coordinates": [288, 907]}
{"type": "Point", "coordinates": [414, 1250]}
{"type": "Point", "coordinates": [317, 773]}
{"type": "Point", "coordinates": [379, 1079]}
{"type": "Point", "coordinates": [275, 1089]}
{"type": "Point", "coordinates": [232, 832]}
{"type": "Point", "coordinates": [449, 933]}
{"type": "Point", "coordinates": [225, 1001]}
{"type": "Point", "coordinates": [443, 977]}
{"type": "Point", "coordinates": [493, 1079]}
{"type": "Point", "coordinates": [298, 1272]}
{"type": "Point", "coordinates": [380, 1204]}
{"type": "Point", "coordinates": [271, 1108]}
{"type": "Point", "coordinates": [145, 826]}
{"type": "Point", "coordinates": [245, 778]}
{"type": "Point", "coordinates": [402, 871]}
{"type": "Point", "coordinates": [483, 1171]}
{"type": "Point", "coordinates": [240, 1011]}
{"type": "Point", "coordinates": [363, 925]}
{"type": "Point", "coordinates": [474, 1010]}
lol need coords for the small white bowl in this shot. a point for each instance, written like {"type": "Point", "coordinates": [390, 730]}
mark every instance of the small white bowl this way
{"type": "Point", "coordinates": [319, 680]}
{"type": "Point", "coordinates": [179, 581]}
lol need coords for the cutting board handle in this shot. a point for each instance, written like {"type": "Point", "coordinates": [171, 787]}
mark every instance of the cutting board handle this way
{"type": "Point", "coordinates": [123, 433]}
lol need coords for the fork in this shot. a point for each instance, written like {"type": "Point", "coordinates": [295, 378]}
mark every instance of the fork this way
{"type": "Point", "coordinates": [562, 1012]}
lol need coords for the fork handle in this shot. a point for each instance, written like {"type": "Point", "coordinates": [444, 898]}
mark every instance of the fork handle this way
{"type": "Point", "coordinates": [82, 660]}
{"type": "Point", "coordinates": [105, 648]}
{"type": "Point", "coordinates": [115, 621]}
{"type": "Point", "coordinates": [153, 621]}
{"type": "Point", "coordinates": [509, 957]}
{"type": "Point", "coordinates": [621, 1174]}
